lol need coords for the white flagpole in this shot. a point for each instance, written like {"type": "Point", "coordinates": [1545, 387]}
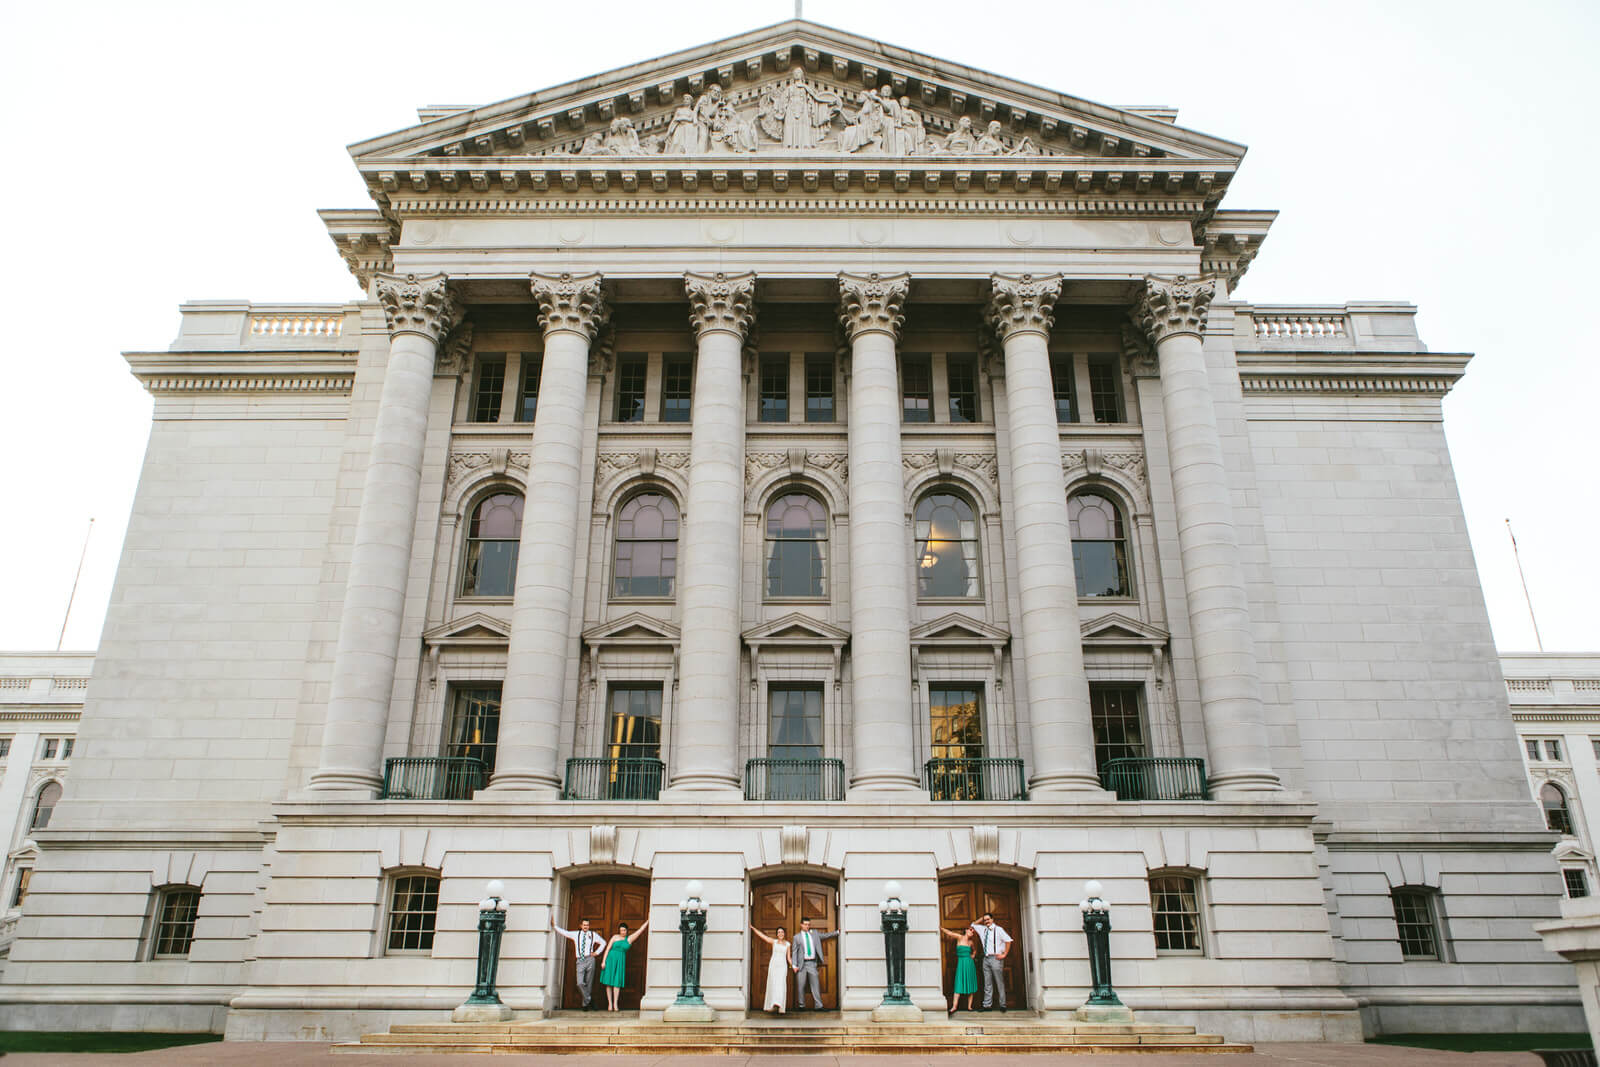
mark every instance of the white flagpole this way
{"type": "Point", "coordinates": [1518, 557]}
{"type": "Point", "coordinates": [74, 594]}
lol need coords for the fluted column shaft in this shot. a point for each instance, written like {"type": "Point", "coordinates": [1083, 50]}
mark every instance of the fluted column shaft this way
{"type": "Point", "coordinates": [880, 571]}
{"type": "Point", "coordinates": [1172, 312]}
{"type": "Point", "coordinates": [1021, 311]}
{"type": "Point", "coordinates": [706, 714]}
{"type": "Point", "coordinates": [571, 309]}
{"type": "Point", "coordinates": [420, 312]}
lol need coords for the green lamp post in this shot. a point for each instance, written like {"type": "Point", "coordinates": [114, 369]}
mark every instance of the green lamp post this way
{"type": "Point", "coordinates": [1103, 1004]}
{"type": "Point", "coordinates": [484, 1005]}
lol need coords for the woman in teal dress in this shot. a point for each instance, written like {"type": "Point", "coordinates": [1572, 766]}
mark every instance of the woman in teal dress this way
{"type": "Point", "coordinates": [614, 964]}
{"type": "Point", "coordinates": [966, 982]}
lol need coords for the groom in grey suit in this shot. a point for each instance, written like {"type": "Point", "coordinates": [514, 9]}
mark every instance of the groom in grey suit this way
{"type": "Point", "coordinates": [805, 953]}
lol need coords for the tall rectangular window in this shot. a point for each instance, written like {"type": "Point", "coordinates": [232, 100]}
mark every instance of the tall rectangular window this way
{"type": "Point", "coordinates": [66, 748]}
{"type": "Point", "coordinates": [1118, 722]}
{"type": "Point", "coordinates": [474, 722]}
{"type": "Point", "coordinates": [795, 721]}
{"type": "Point", "coordinates": [1577, 884]}
{"type": "Point", "coordinates": [819, 389]}
{"type": "Point", "coordinates": [413, 913]}
{"type": "Point", "coordinates": [5, 747]}
{"type": "Point", "coordinates": [1062, 375]}
{"type": "Point", "coordinates": [1105, 388]}
{"type": "Point", "coordinates": [962, 374]}
{"type": "Point", "coordinates": [175, 917]}
{"type": "Point", "coordinates": [20, 893]}
{"type": "Point", "coordinates": [774, 389]}
{"type": "Point", "coordinates": [636, 721]}
{"type": "Point", "coordinates": [489, 388]}
{"type": "Point", "coordinates": [1175, 913]}
{"type": "Point", "coordinates": [528, 395]}
{"type": "Point", "coordinates": [916, 388]}
{"type": "Point", "coordinates": [631, 373]}
{"type": "Point", "coordinates": [677, 386]}
{"type": "Point", "coordinates": [1415, 924]}
{"type": "Point", "coordinates": [956, 714]}
{"type": "Point", "coordinates": [1533, 750]}
{"type": "Point", "coordinates": [1552, 750]}
{"type": "Point", "coordinates": [51, 746]}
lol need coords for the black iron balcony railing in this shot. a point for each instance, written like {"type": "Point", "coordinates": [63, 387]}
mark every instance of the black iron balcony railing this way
{"type": "Point", "coordinates": [975, 779]}
{"type": "Point", "coordinates": [432, 777]}
{"type": "Point", "coordinates": [794, 779]}
{"type": "Point", "coordinates": [1156, 778]}
{"type": "Point", "coordinates": [613, 779]}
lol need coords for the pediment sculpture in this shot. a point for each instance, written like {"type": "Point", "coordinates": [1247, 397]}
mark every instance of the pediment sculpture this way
{"type": "Point", "coordinates": [796, 114]}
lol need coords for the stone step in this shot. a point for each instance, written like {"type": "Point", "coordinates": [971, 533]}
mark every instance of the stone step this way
{"type": "Point", "coordinates": [758, 1040]}
{"type": "Point", "coordinates": [795, 1049]}
{"type": "Point", "coordinates": [867, 1030]}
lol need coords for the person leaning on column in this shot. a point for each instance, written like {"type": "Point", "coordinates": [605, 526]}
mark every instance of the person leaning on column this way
{"type": "Point", "coordinates": [587, 945]}
{"type": "Point", "coordinates": [996, 944]}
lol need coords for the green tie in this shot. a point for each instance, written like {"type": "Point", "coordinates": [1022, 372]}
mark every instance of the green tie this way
{"type": "Point", "coordinates": [810, 952]}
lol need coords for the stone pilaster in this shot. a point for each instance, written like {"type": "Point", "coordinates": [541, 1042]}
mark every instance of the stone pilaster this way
{"type": "Point", "coordinates": [706, 721]}
{"type": "Point", "coordinates": [572, 308]}
{"type": "Point", "coordinates": [1172, 314]}
{"type": "Point", "coordinates": [420, 312]}
{"type": "Point", "coordinates": [1021, 312]}
{"type": "Point", "coordinates": [872, 310]}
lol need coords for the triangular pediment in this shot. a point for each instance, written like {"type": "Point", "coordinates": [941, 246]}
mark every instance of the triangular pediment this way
{"type": "Point", "coordinates": [634, 628]}
{"type": "Point", "coordinates": [796, 629]}
{"type": "Point", "coordinates": [958, 629]}
{"type": "Point", "coordinates": [475, 629]}
{"type": "Point", "coordinates": [1118, 629]}
{"type": "Point", "coordinates": [747, 101]}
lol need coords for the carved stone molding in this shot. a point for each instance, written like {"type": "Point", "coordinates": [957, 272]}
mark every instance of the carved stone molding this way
{"type": "Point", "coordinates": [424, 305]}
{"type": "Point", "coordinates": [721, 302]}
{"type": "Point", "coordinates": [1137, 355]}
{"type": "Point", "coordinates": [454, 353]}
{"type": "Point", "coordinates": [500, 460]}
{"type": "Point", "coordinates": [1022, 303]}
{"type": "Point", "coordinates": [985, 466]}
{"type": "Point", "coordinates": [835, 464]}
{"type": "Point", "coordinates": [645, 461]}
{"type": "Point", "coordinates": [1170, 307]}
{"type": "Point", "coordinates": [571, 302]}
{"type": "Point", "coordinates": [985, 844]}
{"type": "Point", "coordinates": [794, 844]}
{"type": "Point", "coordinates": [872, 303]}
{"type": "Point", "coordinates": [602, 844]}
{"type": "Point", "coordinates": [1093, 460]}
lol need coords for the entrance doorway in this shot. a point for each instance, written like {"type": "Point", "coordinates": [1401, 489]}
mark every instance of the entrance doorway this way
{"type": "Point", "coordinates": [963, 901]}
{"type": "Point", "coordinates": [606, 900]}
{"type": "Point", "coordinates": [784, 901]}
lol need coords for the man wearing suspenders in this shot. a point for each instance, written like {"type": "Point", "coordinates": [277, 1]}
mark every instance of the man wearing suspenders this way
{"type": "Point", "coordinates": [588, 946]}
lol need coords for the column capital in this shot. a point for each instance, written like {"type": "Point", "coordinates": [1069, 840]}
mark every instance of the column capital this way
{"type": "Point", "coordinates": [872, 303]}
{"type": "Point", "coordinates": [421, 305]}
{"type": "Point", "coordinates": [1170, 306]}
{"type": "Point", "coordinates": [719, 301]}
{"type": "Point", "coordinates": [575, 303]}
{"type": "Point", "coordinates": [1022, 303]}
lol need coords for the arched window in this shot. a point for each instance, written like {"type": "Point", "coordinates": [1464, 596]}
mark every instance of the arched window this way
{"type": "Point", "coordinates": [647, 546]}
{"type": "Point", "coordinates": [1099, 546]}
{"type": "Point", "coordinates": [44, 805]}
{"type": "Point", "coordinates": [492, 538]}
{"type": "Point", "coordinates": [1175, 912]}
{"type": "Point", "coordinates": [413, 912]}
{"type": "Point", "coordinates": [1556, 814]}
{"type": "Point", "coordinates": [797, 546]}
{"type": "Point", "coordinates": [947, 546]}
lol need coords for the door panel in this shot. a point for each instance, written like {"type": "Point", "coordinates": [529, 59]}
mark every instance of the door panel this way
{"type": "Point", "coordinates": [784, 902]}
{"type": "Point", "coordinates": [961, 902]}
{"type": "Point", "coordinates": [606, 901]}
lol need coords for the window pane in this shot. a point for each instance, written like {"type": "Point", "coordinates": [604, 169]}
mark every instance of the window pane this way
{"type": "Point", "coordinates": [819, 388]}
{"type": "Point", "coordinates": [677, 376]}
{"type": "Point", "coordinates": [5, 747]}
{"type": "Point", "coordinates": [916, 387]}
{"type": "Point", "coordinates": [1533, 749]}
{"type": "Point", "coordinates": [956, 720]}
{"type": "Point", "coordinates": [24, 875]}
{"type": "Point", "coordinates": [947, 547]}
{"type": "Point", "coordinates": [490, 568]}
{"type": "Point", "coordinates": [630, 388]}
{"type": "Point", "coordinates": [1099, 548]}
{"type": "Point", "coordinates": [962, 373]}
{"type": "Point", "coordinates": [475, 723]}
{"type": "Point", "coordinates": [1175, 908]}
{"type": "Point", "coordinates": [528, 398]}
{"type": "Point", "coordinates": [1413, 919]}
{"type": "Point", "coordinates": [175, 923]}
{"type": "Point", "coordinates": [1577, 884]}
{"type": "Point", "coordinates": [45, 804]}
{"type": "Point", "coordinates": [636, 721]}
{"type": "Point", "coordinates": [646, 554]}
{"type": "Point", "coordinates": [490, 388]}
{"type": "Point", "coordinates": [413, 913]}
{"type": "Point", "coordinates": [1556, 814]}
{"type": "Point", "coordinates": [1105, 388]}
{"type": "Point", "coordinates": [1552, 749]}
{"type": "Point", "coordinates": [774, 389]}
{"type": "Point", "coordinates": [1061, 372]}
{"type": "Point", "coordinates": [797, 546]}
{"type": "Point", "coordinates": [795, 727]}
{"type": "Point", "coordinates": [50, 748]}
{"type": "Point", "coordinates": [1118, 722]}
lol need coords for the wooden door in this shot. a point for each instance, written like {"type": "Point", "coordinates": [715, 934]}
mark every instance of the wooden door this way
{"type": "Point", "coordinates": [784, 902]}
{"type": "Point", "coordinates": [963, 901]}
{"type": "Point", "coordinates": [606, 901]}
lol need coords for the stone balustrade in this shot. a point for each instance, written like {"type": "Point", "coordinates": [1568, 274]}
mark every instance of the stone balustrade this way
{"type": "Point", "coordinates": [236, 326]}
{"type": "Point", "coordinates": [1358, 326]}
{"type": "Point", "coordinates": [327, 324]}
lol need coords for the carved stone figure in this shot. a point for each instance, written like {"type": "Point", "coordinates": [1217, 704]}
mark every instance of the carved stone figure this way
{"type": "Point", "coordinates": [622, 139]}
{"type": "Point", "coordinates": [960, 141]}
{"type": "Point", "coordinates": [728, 130]}
{"type": "Point", "coordinates": [795, 113]}
{"type": "Point", "coordinates": [912, 136]}
{"type": "Point", "coordinates": [867, 126]}
{"type": "Point", "coordinates": [593, 145]}
{"type": "Point", "coordinates": [685, 135]}
{"type": "Point", "coordinates": [990, 144]}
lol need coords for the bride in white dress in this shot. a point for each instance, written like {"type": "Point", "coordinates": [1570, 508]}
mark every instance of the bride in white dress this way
{"type": "Point", "coordinates": [777, 996]}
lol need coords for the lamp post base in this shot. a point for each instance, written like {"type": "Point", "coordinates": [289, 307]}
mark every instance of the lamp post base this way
{"type": "Point", "coordinates": [689, 1012]}
{"type": "Point", "coordinates": [1104, 1013]}
{"type": "Point", "coordinates": [482, 1013]}
{"type": "Point", "coordinates": [896, 1013]}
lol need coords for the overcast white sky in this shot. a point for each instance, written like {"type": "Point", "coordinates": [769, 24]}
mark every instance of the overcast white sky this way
{"type": "Point", "coordinates": [1439, 153]}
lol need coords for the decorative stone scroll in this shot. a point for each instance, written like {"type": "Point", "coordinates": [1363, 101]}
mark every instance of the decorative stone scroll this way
{"type": "Point", "coordinates": [836, 464]}
{"type": "Point", "coordinates": [1022, 303]}
{"type": "Point", "coordinates": [500, 459]}
{"type": "Point", "coordinates": [571, 302]}
{"type": "Point", "coordinates": [721, 302]}
{"type": "Point", "coordinates": [454, 352]}
{"type": "Point", "coordinates": [794, 844]}
{"type": "Point", "coordinates": [424, 305]}
{"type": "Point", "coordinates": [646, 460]}
{"type": "Point", "coordinates": [979, 463]}
{"type": "Point", "coordinates": [872, 303]}
{"type": "Point", "coordinates": [1172, 306]}
{"type": "Point", "coordinates": [985, 844]}
{"type": "Point", "coordinates": [1093, 460]}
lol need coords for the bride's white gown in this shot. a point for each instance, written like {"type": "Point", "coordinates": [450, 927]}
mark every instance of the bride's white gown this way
{"type": "Point", "coordinates": [778, 978]}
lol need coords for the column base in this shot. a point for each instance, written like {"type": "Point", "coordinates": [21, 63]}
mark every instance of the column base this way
{"type": "Point", "coordinates": [535, 786]}
{"type": "Point", "coordinates": [697, 787]}
{"type": "Point", "coordinates": [354, 780]}
{"type": "Point", "coordinates": [1068, 786]}
{"type": "Point", "coordinates": [886, 783]}
{"type": "Point", "coordinates": [1247, 784]}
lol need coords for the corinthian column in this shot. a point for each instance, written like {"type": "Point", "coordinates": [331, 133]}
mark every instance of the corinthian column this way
{"type": "Point", "coordinates": [571, 309]}
{"type": "Point", "coordinates": [880, 572]}
{"type": "Point", "coordinates": [1172, 312]}
{"type": "Point", "coordinates": [706, 717]}
{"type": "Point", "coordinates": [1021, 310]}
{"type": "Point", "coordinates": [420, 312]}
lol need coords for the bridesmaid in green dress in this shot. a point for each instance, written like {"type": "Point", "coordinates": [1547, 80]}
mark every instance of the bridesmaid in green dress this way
{"type": "Point", "coordinates": [614, 964]}
{"type": "Point", "coordinates": [966, 970]}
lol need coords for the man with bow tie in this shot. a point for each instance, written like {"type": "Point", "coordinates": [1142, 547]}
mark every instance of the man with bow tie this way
{"type": "Point", "coordinates": [805, 954]}
{"type": "Point", "coordinates": [588, 945]}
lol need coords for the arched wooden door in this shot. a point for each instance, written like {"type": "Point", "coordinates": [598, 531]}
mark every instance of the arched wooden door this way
{"type": "Point", "coordinates": [963, 901]}
{"type": "Point", "coordinates": [605, 901]}
{"type": "Point", "coordinates": [784, 902]}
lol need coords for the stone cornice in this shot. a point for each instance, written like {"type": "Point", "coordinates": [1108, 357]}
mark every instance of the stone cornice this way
{"type": "Point", "coordinates": [572, 302]}
{"type": "Point", "coordinates": [1349, 373]}
{"type": "Point", "coordinates": [721, 301]}
{"type": "Point", "coordinates": [242, 373]}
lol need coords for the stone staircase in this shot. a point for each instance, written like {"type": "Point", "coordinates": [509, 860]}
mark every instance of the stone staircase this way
{"type": "Point", "coordinates": [576, 1034]}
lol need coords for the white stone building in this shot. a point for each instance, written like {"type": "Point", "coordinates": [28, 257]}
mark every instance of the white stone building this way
{"type": "Point", "coordinates": [795, 463]}
{"type": "Point", "coordinates": [1555, 703]}
{"type": "Point", "coordinates": [41, 697]}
